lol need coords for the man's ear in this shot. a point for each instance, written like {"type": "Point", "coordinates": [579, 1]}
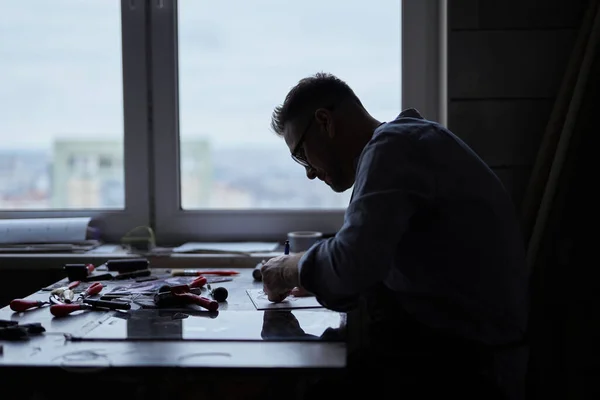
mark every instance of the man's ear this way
{"type": "Point", "coordinates": [325, 121]}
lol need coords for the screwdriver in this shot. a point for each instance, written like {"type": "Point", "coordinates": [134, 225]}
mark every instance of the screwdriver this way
{"type": "Point", "coordinates": [62, 310]}
{"type": "Point", "coordinates": [20, 305]}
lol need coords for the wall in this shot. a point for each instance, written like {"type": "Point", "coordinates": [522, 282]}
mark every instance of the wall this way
{"type": "Point", "coordinates": [506, 60]}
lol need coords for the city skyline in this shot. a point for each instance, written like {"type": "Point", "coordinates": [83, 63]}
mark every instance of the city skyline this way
{"type": "Point", "coordinates": [82, 174]}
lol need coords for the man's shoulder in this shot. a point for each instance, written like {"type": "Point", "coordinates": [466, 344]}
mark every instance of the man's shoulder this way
{"type": "Point", "coordinates": [409, 124]}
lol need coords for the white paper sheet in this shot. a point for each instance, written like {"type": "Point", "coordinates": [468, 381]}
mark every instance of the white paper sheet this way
{"type": "Point", "coordinates": [232, 247]}
{"type": "Point", "coordinates": [44, 230]}
{"type": "Point", "coordinates": [261, 302]}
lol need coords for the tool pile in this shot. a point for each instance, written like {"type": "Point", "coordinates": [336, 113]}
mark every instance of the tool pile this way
{"type": "Point", "coordinates": [173, 296]}
{"type": "Point", "coordinates": [63, 300]}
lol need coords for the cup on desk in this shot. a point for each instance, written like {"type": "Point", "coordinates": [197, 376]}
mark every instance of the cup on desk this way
{"type": "Point", "coordinates": [303, 240]}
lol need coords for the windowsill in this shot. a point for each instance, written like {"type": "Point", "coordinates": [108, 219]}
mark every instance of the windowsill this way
{"type": "Point", "coordinates": [108, 252]}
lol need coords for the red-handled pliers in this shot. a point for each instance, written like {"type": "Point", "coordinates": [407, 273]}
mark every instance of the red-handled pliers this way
{"type": "Point", "coordinates": [91, 290]}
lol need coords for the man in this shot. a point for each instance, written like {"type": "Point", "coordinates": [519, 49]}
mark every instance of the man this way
{"type": "Point", "coordinates": [430, 243]}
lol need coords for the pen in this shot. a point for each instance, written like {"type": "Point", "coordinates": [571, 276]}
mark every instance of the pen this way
{"type": "Point", "coordinates": [286, 249]}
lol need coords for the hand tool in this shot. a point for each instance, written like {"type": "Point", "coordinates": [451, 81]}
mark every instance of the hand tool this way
{"type": "Point", "coordinates": [133, 274]}
{"type": "Point", "coordinates": [256, 273]}
{"type": "Point", "coordinates": [107, 276]}
{"type": "Point", "coordinates": [55, 299]}
{"type": "Point", "coordinates": [78, 272]}
{"type": "Point", "coordinates": [195, 284]}
{"type": "Point", "coordinates": [217, 279]}
{"type": "Point", "coordinates": [93, 289]}
{"type": "Point", "coordinates": [219, 294]}
{"type": "Point", "coordinates": [109, 304]}
{"type": "Point", "coordinates": [123, 294]}
{"type": "Point", "coordinates": [180, 295]}
{"type": "Point", "coordinates": [127, 264]}
{"type": "Point", "coordinates": [61, 310]}
{"type": "Point", "coordinates": [111, 296]}
{"type": "Point", "coordinates": [146, 278]}
{"type": "Point", "coordinates": [195, 272]}
{"type": "Point", "coordinates": [59, 291]}
{"type": "Point", "coordinates": [198, 282]}
{"type": "Point", "coordinates": [20, 305]}
{"type": "Point", "coordinates": [68, 295]}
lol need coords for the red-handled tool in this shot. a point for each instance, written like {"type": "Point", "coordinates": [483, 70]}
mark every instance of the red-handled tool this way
{"type": "Point", "coordinates": [62, 310]}
{"type": "Point", "coordinates": [210, 305]}
{"type": "Point", "coordinates": [93, 289]}
{"type": "Point", "coordinates": [179, 295]}
{"type": "Point", "coordinates": [198, 282]}
{"type": "Point", "coordinates": [20, 305]}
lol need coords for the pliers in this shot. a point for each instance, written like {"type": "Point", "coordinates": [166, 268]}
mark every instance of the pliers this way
{"type": "Point", "coordinates": [93, 289]}
{"type": "Point", "coordinates": [66, 292]}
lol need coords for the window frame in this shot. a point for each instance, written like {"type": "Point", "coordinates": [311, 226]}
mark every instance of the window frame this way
{"type": "Point", "coordinates": [113, 224]}
{"type": "Point", "coordinates": [422, 39]}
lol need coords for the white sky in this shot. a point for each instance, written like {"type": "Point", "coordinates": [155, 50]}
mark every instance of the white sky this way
{"type": "Point", "coordinates": [60, 64]}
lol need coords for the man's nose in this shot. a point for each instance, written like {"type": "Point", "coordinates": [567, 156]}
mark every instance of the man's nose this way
{"type": "Point", "coordinates": [311, 173]}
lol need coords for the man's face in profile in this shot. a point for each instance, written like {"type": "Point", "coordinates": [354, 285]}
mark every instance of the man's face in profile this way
{"type": "Point", "coordinates": [312, 148]}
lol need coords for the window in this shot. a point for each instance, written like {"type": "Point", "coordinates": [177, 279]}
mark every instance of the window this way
{"type": "Point", "coordinates": [157, 112]}
{"type": "Point", "coordinates": [70, 115]}
{"type": "Point", "coordinates": [62, 98]}
{"type": "Point", "coordinates": [219, 76]}
{"type": "Point", "coordinates": [234, 68]}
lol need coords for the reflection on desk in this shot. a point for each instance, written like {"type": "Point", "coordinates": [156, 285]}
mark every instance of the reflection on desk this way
{"type": "Point", "coordinates": [199, 325]}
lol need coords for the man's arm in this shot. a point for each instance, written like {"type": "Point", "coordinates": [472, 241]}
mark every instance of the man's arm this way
{"type": "Point", "coordinates": [392, 179]}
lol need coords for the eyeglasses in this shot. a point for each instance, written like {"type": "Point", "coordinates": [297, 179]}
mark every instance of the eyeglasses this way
{"type": "Point", "coordinates": [298, 152]}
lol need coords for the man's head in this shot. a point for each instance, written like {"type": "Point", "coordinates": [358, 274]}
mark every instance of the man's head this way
{"type": "Point", "coordinates": [325, 126]}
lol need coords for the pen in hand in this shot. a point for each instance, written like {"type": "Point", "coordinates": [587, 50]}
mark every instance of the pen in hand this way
{"type": "Point", "coordinates": [256, 274]}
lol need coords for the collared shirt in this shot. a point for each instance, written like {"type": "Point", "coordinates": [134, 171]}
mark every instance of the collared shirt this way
{"type": "Point", "coordinates": [431, 221]}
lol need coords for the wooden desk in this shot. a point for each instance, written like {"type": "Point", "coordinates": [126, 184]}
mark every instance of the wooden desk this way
{"type": "Point", "coordinates": [53, 355]}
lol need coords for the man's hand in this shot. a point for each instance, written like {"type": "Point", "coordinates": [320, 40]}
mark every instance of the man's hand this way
{"type": "Point", "coordinates": [280, 276]}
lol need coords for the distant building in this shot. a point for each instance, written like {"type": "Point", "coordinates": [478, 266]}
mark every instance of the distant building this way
{"type": "Point", "coordinates": [90, 174]}
{"type": "Point", "coordinates": [196, 173]}
{"type": "Point", "coordinates": [24, 180]}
